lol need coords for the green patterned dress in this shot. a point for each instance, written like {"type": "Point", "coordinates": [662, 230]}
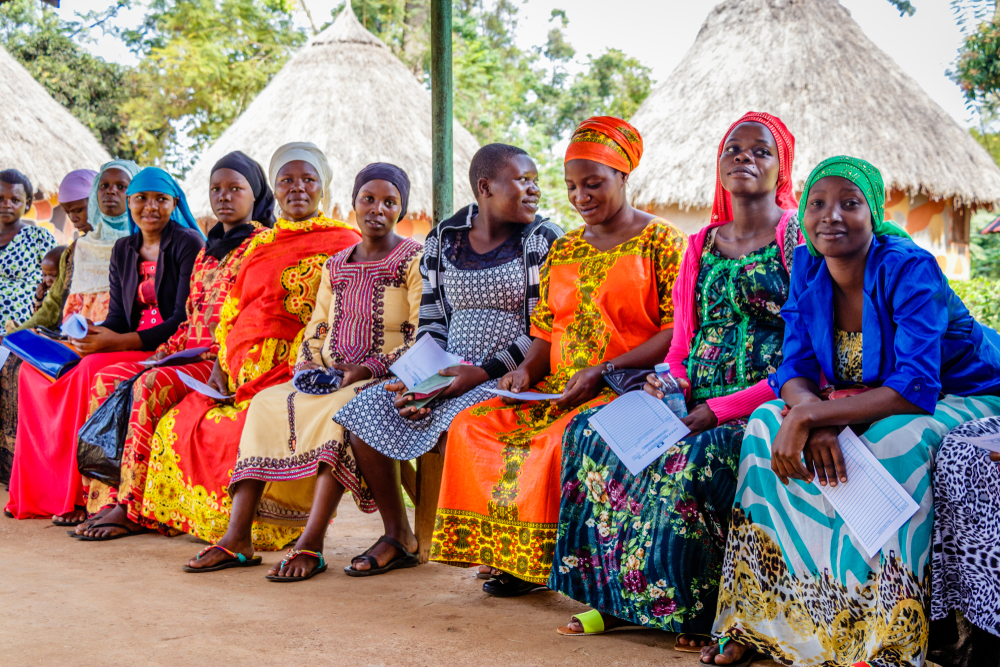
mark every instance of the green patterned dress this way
{"type": "Point", "coordinates": [648, 548]}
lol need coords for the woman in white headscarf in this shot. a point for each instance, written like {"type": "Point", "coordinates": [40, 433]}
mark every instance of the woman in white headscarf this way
{"type": "Point", "coordinates": [261, 326]}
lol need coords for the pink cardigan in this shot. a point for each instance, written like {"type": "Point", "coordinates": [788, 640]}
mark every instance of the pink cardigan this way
{"type": "Point", "coordinates": [745, 401]}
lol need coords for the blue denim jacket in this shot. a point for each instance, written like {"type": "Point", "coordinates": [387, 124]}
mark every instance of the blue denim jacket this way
{"type": "Point", "coordinates": [918, 337]}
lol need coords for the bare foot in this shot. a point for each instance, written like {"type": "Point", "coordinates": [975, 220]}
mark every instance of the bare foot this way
{"type": "Point", "coordinates": [609, 622]}
{"type": "Point", "coordinates": [300, 566]}
{"type": "Point", "coordinates": [217, 556]}
{"type": "Point", "coordinates": [488, 571]}
{"type": "Point", "coordinates": [76, 516]}
{"type": "Point", "coordinates": [385, 552]}
{"type": "Point", "coordinates": [686, 639]}
{"type": "Point", "coordinates": [734, 653]}
{"type": "Point", "coordinates": [118, 515]}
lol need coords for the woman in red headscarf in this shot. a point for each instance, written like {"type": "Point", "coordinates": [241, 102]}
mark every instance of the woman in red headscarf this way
{"type": "Point", "coordinates": [605, 303]}
{"type": "Point", "coordinates": [647, 549]}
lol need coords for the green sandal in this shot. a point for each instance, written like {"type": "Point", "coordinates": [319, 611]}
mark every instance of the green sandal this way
{"type": "Point", "coordinates": [593, 624]}
{"type": "Point", "coordinates": [292, 555]}
{"type": "Point", "coordinates": [238, 560]}
{"type": "Point", "coordinates": [748, 657]}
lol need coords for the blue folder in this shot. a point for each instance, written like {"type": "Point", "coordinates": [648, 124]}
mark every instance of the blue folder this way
{"type": "Point", "coordinates": [45, 355]}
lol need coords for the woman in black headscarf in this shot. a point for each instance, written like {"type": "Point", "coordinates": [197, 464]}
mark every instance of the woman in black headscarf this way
{"type": "Point", "coordinates": [244, 205]}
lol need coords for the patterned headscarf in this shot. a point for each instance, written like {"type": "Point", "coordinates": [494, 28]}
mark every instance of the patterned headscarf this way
{"type": "Point", "coordinates": [867, 178]}
{"type": "Point", "coordinates": [154, 179]}
{"type": "Point", "coordinates": [722, 207]}
{"type": "Point", "coordinates": [307, 152]}
{"type": "Point", "coordinates": [92, 256]}
{"type": "Point", "coordinates": [608, 140]}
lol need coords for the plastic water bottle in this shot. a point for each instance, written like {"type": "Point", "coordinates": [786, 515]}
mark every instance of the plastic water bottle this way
{"type": "Point", "coordinates": [673, 395]}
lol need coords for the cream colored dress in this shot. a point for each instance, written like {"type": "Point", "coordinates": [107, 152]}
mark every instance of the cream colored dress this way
{"type": "Point", "coordinates": [366, 313]}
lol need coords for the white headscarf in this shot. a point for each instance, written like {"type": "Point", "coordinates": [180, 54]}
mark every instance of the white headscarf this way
{"type": "Point", "coordinates": [307, 152]}
{"type": "Point", "coordinates": [92, 253]}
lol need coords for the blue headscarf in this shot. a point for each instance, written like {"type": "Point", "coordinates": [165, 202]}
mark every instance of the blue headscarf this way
{"type": "Point", "coordinates": [154, 179]}
{"type": "Point", "coordinates": [108, 228]}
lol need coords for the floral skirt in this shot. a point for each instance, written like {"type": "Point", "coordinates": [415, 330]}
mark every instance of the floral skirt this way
{"type": "Point", "coordinates": [798, 586]}
{"type": "Point", "coordinates": [646, 548]}
{"type": "Point", "coordinates": [8, 415]}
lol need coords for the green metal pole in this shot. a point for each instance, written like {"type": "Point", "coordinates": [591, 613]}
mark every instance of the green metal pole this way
{"type": "Point", "coordinates": [441, 109]}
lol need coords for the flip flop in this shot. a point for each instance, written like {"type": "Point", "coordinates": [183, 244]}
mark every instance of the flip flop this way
{"type": "Point", "coordinates": [407, 559]}
{"type": "Point", "coordinates": [128, 533]}
{"type": "Point", "coordinates": [76, 508]}
{"type": "Point", "coordinates": [687, 648]}
{"type": "Point", "coordinates": [748, 657]}
{"type": "Point", "coordinates": [593, 624]}
{"type": "Point", "coordinates": [292, 555]}
{"type": "Point", "coordinates": [239, 560]}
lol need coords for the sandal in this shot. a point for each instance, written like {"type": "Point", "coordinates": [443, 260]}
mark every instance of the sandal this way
{"type": "Point", "coordinates": [292, 555]}
{"type": "Point", "coordinates": [593, 624]}
{"type": "Point", "coordinates": [406, 559]}
{"type": "Point", "coordinates": [239, 560]}
{"type": "Point", "coordinates": [688, 648]}
{"type": "Point", "coordinates": [748, 657]}
{"type": "Point", "coordinates": [128, 533]}
{"type": "Point", "coordinates": [506, 585]}
{"type": "Point", "coordinates": [76, 508]}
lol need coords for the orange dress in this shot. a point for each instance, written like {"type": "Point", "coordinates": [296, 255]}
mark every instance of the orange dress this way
{"type": "Point", "coordinates": [499, 501]}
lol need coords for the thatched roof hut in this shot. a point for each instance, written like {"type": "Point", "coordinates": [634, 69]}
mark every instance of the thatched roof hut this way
{"type": "Point", "coordinates": [346, 92]}
{"type": "Point", "coordinates": [41, 138]}
{"type": "Point", "coordinates": [808, 62]}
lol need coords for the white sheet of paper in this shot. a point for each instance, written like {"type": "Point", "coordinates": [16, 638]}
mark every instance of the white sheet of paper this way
{"type": "Point", "coordinates": [75, 326]}
{"type": "Point", "coordinates": [638, 428]}
{"type": "Point", "coordinates": [872, 504]}
{"type": "Point", "coordinates": [183, 354]}
{"type": "Point", "coordinates": [990, 442]}
{"type": "Point", "coordinates": [422, 360]}
{"type": "Point", "coordinates": [4, 353]}
{"type": "Point", "coordinates": [200, 387]}
{"type": "Point", "coordinates": [525, 395]}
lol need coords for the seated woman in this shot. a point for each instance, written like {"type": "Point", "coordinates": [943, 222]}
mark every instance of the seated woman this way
{"type": "Point", "coordinates": [22, 247]}
{"type": "Point", "coordinates": [150, 274]}
{"type": "Point", "coordinates": [261, 325]}
{"type": "Point", "coordinates": [480, 285]}
{"type": "Point", "coordinates": [96, 205]}
{"type": "Point", "coordinates": [867, 307]}
{"type": "Point", "coordinates": [499, 499]}
{"type": "Point", "coordinates": [244, 205]}
{"type": "Point", "coordinates": [965, 559]}
{"type": "Point", "coordinates": [291, 452]}
{"type": "Point", "coordinates": [727, 338]}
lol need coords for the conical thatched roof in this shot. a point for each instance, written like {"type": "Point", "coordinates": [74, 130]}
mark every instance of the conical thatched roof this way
{"type": "Point", "coordinates": [38, 136]}
{"type": "Point", "coordinates": [347, 93]}
{"type": "Point", "coordinates": [809, 63]}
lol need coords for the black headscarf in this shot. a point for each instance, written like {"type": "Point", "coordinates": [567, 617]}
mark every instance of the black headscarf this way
{"type": "Point", "coordinates": [383, 171]}
{"type": "Point", "coordinates": [221, 243]}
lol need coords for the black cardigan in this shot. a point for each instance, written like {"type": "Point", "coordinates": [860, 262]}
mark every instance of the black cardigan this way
{"type": "Point", "coordinates": [179, 247]}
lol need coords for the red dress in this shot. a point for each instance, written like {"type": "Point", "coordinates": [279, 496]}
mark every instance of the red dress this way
{"type": "Point", "coordinates": [44, 480]}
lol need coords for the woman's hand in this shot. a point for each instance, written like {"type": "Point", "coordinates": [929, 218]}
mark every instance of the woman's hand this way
{"type": "Point", "coordinates": [218, 380]}
{"type": "Point", "coordinates": [700, 419]}
{"type": "Point", "coordinates": [403, 404]}
{"type": "Point", "coordinates": [995, 457]}
{"type": "Point", "coordinates": [98, 339]}
{"type": "Point", "coordinates": [583, 386]}
{"type": "Point", "coordinates": [786, 452]}
{"type": "Point", "coordinates": [353, 373]}
{"type": "Point", "coordinates": [9, 326]}
{"type": "Point", "coordinates": [822, 454]}
{"type": "Point", "coordinates": [516, 381]}
{"type": "Point", "coordinates": [156, 356]}
{"type": "Point", "coordinates": [466, 377]}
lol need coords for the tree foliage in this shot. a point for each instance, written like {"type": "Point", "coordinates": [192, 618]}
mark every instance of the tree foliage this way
{"type": "Point", "coordinates": [904, 7]}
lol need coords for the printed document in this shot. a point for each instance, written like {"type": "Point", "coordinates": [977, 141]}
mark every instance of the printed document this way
{"type": "Point", "coordinates": [422, 360]}
{"type": "Point", "coordinates": [525, 395]}
{"type": "Point", "coordinates": [75, 326]}
{"type": "Point", "coordinates": [201, 387]}
{"type": "Point", "coordinates": [989, 441]}
{"type": "Point", "coordinates": [4, 353]}
{"type": "Point", "coordinates": [176, 356]}
{"type": "Point", "coordinates": [872, 504]}
{"type": "Point", "coordinates": [639, 429]}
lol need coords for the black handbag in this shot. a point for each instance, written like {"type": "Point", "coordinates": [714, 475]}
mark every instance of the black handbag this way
{"type": "Point", "coordinates": [102, 437]}
{"type": "Point", "coordinates": [624, 380]}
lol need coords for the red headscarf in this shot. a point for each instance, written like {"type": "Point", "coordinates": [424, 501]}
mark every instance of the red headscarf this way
{"type": "Point", "coordinates": [608, 140]}
{"type": "Point", "coordinates": [722, 208]}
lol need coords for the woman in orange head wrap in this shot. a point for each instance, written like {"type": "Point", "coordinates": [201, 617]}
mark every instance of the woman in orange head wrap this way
{"type": "Point", "coordinates": [605, 303]}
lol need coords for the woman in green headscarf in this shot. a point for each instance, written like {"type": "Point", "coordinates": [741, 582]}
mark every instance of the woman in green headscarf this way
{"type": "Point", "coordinates": [869, 313]}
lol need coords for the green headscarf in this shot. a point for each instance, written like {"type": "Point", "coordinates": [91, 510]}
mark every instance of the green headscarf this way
{"type": "Point", "coordinates": [867, 178]}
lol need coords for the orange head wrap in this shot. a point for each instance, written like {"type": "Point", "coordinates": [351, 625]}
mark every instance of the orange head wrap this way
{"type": "Point", "coordinates": [608, 140]}
{"type": "Point", "coordinates": [722, 207]}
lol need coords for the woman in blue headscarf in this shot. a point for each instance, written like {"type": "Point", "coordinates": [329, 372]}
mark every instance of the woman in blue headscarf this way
{"type": "Point", "coordinates": [150, 274]}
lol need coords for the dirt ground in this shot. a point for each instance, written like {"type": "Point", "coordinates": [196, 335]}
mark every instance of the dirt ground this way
{"type": "Point", "coordinates": [66, 602]}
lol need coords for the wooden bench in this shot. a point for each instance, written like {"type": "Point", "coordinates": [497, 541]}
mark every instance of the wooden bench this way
{"type": "Point", "coordinates": [422, 484]}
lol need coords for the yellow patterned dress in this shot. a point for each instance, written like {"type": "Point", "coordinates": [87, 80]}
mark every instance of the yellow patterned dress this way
{"type": "Point", "coordinates": [499, 501]}
{"type": "Point", "coordinates": [196, 443]}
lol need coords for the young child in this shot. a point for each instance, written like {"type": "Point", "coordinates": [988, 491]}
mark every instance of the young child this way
{"type": "Point", "coordinates": [50, 271]}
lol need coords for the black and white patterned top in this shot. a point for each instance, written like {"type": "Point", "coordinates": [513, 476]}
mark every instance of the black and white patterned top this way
{"type": "Point", "coordinates": [21, 271]}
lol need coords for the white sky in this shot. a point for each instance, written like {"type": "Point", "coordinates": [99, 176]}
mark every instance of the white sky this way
{"type": "Point", "coordinates": [659, 32]}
